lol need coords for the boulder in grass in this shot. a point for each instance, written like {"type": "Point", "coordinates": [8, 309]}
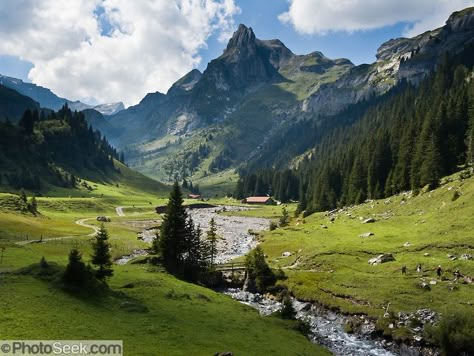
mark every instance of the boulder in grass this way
{"type": "Point", "coordinates": [466, 257]}
{"type": "Point", "coordinates": [368, 221]}
{"type": "Point", "coordinates": [383, 258]}
{"type": "Point", "coordinates": [366, 234]}
{"type": "Point", "coordinates": [286, 254]}
{"type": "Point", "coordinates": [103, 219]}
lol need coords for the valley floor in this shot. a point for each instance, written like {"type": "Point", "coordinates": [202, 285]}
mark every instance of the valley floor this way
{"type": "Point", "coordinates": [150, 310]}
{"type": "Point", "coordinates": [326, 262]}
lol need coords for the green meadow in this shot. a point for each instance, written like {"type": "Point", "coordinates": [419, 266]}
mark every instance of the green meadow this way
{"type": "Point", "coordinates": [151, 311]}
{"type": "Point", "coordinates": [329, 259]}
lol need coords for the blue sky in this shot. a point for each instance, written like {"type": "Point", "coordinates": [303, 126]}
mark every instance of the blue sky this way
{"type": "Point", "coordinates": [359, 46]}
{"type": "Point", "coordinates": [100, 51]}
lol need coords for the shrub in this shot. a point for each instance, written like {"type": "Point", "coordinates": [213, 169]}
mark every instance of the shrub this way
{"type": "Point", "coordinates": [273, 225]}
{"type": "Point", "coordinates": [303, 327]}
{"type": "Point", "coordinates": [456, 195]}
{"type": "Point", "coordinates": [258, 270]}
{"type": "Point", "coordinates": [454, 334]}
{"type": "Point", "coordinates": [287, 312]}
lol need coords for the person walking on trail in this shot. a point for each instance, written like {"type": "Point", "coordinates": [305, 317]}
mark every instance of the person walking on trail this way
{"type": "Point", "coordinates": [418, 268]}
{"type": "Point", "coordinates": [457, 274]}
{"type": "Point", "coordinates": [439, 271]}
{"type": "Point", "coordinates": [404, 270]}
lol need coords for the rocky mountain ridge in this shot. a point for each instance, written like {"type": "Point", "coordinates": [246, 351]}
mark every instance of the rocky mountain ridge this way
{"type": "Point", "coordinates": [47, 99]}
{"type": "Point", "coordinates": [399, 59]}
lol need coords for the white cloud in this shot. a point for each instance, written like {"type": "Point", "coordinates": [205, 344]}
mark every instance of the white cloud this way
{"type": "Point", "coordinates": [323, 16]}
{"type": "Point", "coordinates": [111, 50]}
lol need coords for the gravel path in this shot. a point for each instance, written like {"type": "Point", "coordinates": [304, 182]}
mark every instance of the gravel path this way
{"type": "Point", "coordinates": [119, 211]}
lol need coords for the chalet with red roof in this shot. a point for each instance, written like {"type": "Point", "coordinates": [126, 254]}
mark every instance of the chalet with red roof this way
{"type": "Point", "coordinates": [194, 196]}
{"type": "Point", "coordinates": [266, 200]}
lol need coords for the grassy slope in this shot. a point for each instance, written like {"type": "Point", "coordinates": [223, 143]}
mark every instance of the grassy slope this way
{"type": "Point", "coordinates": [182, 318]}
{"type": "Point", "coordinates": [60, 208]}
{"type": "Point", "coordinates": [333, 263]}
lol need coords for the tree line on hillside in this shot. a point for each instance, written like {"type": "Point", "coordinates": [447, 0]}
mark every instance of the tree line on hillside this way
{"type": "Point", "coordinates": [408, 140]}
{"type": "Point", "coordinates": [51, 146]}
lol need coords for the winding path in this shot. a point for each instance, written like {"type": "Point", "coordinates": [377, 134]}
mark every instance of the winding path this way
{"type": "Point", "coordinates": [119, 210]}
{"type": "Point", "coordinates": [80, 222]}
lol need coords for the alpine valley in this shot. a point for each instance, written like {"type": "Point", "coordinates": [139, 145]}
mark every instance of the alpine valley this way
{"type": "Point", "coordinates": [274, 203]}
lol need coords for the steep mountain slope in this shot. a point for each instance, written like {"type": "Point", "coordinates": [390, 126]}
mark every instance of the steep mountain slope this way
{"type": "Point", "coordinates": [13, 104]}
{"type": "Point", "coordinates": [400, 59]}
{"type": "Point", "coordinates": [50, 151]}
{"type": "Point", "coordinates": [47, 99]}
{"type": "Point", "coordinates": [259, 105]}
{"type": "Point", "coordinates": [254, 87]}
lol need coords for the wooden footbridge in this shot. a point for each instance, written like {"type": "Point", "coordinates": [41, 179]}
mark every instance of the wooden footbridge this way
{"type": "Point", "coordinates": [230, 266]}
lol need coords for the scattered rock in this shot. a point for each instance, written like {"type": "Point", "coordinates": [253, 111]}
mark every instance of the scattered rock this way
{"type": "Point", "coordinates": [425, 286]}
{"type": "Point", "coordinates": [368, 221]}
{"type": "Point", "coordinates": [426, 254]}
{"type": "Point", "coordinates": [332, 219]}
{"type": "Point", "coordinates": [433, 283]}
{"type": "Point", "coordinates": [407, 244]}
{"type": "Point", "coordinates": [417, 338]}
{"type": "Point", "coordinates": [324, 227]}
{"type": "Point", "coordinates": [128, 286]}
{"type": "Point", "coordinates": [466, 257]}
{"type": "Point", "coordinates": [452, 257]}
{"type": "Point", "coordinates": [386, 257]}
{"type": "Point", "coordinates": [286, 254]}
{"type": "Point", "coordinates": [227, 353]}
{"type": "Point", "coordinates": [103, 219]}
{"type": "Point", "coordinates": [366, 234]}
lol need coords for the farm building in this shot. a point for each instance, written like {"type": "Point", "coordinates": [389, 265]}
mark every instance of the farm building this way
{"type": "Point", "coordinates": [259, 200]}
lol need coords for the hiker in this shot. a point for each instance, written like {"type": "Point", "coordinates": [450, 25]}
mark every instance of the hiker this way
{"type": "Point", "coordinates": [418, 268]}
{"type": "Point", "coordinates": [404, 270]}
{"type": "Point", "coordinates": [439, 271]}
{"type": "Point", "coordinates": [457, 274]}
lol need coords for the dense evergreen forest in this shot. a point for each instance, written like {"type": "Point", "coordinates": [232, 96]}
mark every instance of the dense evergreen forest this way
{"type": "Point", "coordinates": [55, 146]}
{"type": "Point", "coordinates": [408, 139]}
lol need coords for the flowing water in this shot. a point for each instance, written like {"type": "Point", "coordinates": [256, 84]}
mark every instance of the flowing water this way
{"type": "Point", "coordinates": [327, 328]}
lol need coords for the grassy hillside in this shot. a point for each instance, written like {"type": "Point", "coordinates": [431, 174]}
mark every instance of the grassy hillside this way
{"type": "Point", "coordinates": [155, 314]}
{"type": "Point", "coordinates": [329, 261]}
{"type": "Point", "coordinates": [159, 315]}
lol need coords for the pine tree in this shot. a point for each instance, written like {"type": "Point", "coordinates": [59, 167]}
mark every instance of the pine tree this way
{"type": "Point", "coordinates": [173, 232]}
{"type": "Point", "coordinates": [194, 261]}
{"type": "Point", "coordinates": [431, 169]}
{"type": "Point", "coordinates": [101, 256]}
{"type": "Point", "coordinates": [285, 217]}
{"type": "Point", "coordinates": [357, 183]}
{"type": "Point", "coordinates": [23, 197]}
{"type": "Point", "coordinates": [212, 242]}
{"type": "Point", "coordinates": [258, 270]}
{"type": "Point", "coordinates": [33, 206]}
{"type": "Point", "coordinates": [27, 122]}
{"type": "Point", "coordinates": [470, 131]}
{"type": "Point", "coordinates": [76, 271]}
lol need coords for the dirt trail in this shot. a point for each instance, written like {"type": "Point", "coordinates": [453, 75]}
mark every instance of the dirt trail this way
{"type": "Point", "coordinates": [80, 222]}
{"type": "Point", "coordinates": [119, 210]}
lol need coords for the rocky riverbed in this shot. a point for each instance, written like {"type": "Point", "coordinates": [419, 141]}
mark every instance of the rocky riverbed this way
{"type": "Point", "coordinates": [327, 328]}
{"type": "Point", "coordinates": [235, 232]}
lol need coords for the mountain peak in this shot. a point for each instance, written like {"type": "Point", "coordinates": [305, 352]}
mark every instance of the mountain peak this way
{"type": "Point", "coordinates": [243, 37]}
